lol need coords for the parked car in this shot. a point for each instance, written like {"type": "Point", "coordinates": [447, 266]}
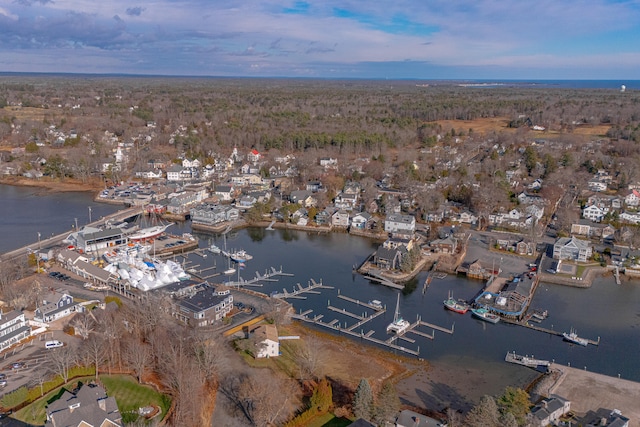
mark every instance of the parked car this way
{"type": "Point", "coordinates": [18, 365]}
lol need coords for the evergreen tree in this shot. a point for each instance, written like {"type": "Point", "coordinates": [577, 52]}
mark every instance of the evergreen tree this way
{"type": "Point", "coordinates": [322, 398]}
{"type": "Point", "coordinates": [515, 401]}
{"type": "Point", "coordinates": [387, 403]}
{"type": "Point", "coordinates": [363, 400]}
{"type": "Point", "coordinates": [484, 414]}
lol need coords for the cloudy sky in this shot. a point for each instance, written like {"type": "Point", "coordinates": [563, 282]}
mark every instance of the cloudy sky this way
{"type": "Point", "coordinates": [428, 39]}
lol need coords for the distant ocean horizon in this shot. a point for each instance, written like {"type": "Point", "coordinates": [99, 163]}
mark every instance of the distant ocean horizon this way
{"type": "Point", "coordinates": [472, 83]}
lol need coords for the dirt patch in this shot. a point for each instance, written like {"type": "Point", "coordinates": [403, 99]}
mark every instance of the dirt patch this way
{"type": "Point", "coordinates": [589, 391]}
{"type": "Point", "coordinates": [480, 125]}
{"type": "Point", "coordinates": [53, 185]}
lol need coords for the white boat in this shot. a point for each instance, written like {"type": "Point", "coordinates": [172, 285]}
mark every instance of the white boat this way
{"type": "Point", "coordinates": [573, 337]}
{"type": "Point", "coordinates": [149, 232]}
{"type": "Point", "coordinates": [229, 271]}
{"type": "Point", "coordinates": [214, 249]}
{"type": "Point", "coordinates": [483, 314]}
{"type": "Point", "coordinates": [376, 304]}
{"type": "Point", "coordinates": [238, 256]}
{"type": "Point", "coordinates": [399, 325]}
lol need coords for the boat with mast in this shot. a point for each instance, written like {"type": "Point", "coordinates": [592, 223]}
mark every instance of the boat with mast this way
{"type": "Point", "coordinates": [573, 338]}
{"type": "Point", "coordinates": [458, 306]}
{"type": "Point", "coordinates": [399, 325]}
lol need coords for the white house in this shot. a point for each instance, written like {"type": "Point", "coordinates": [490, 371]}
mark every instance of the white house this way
{"type": "Point", "coordinates": [13, 328]}
{"type": "Point", "coordinates": [267, 342]}
{"type": "Point", "coordinates": [594, 213]}
{"type": "Point", "coordinates": [632, 199]}
{"type": "Point", "coordinates": [400, 223]}
{"type": "Point", "coordinates": [55, 305]}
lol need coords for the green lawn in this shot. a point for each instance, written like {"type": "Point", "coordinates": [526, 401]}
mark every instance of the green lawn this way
{"type": "Point", "coordinates": [128, 394]}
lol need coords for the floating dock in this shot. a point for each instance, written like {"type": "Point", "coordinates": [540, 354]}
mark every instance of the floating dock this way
{"type": "Point", "coordinates": [296, 293]}
{"type": "Point", "coordinates": [527, 361]}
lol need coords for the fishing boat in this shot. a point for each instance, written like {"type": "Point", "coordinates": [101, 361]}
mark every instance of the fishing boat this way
{"type": "Point", "coordinates": [238, 256]}
{"type": "Point", "coordinates": [399, 325]}
{"type": "Point", "coordinates": [376, 304]}
{"type": "Point", "coordinates": [458, 306]}
{"type": "Point", "coordinates": [483, 314]}
{"type": "Point", "coordinates": [573, 337]}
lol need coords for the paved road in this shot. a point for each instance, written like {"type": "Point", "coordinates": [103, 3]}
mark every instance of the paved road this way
{"type": "Point", "coordinates": [57, 240]}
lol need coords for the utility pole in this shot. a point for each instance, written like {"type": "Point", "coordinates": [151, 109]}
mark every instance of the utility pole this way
{"type": "Point", "coordinates": [39, 245]}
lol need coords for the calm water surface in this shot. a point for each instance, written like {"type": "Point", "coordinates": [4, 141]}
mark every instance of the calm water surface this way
{"type": "Point", "coordinates": [605, 310]}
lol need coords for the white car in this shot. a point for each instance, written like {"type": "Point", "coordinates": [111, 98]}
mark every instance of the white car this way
{"type": "Point", "coordinates": [53, 344]}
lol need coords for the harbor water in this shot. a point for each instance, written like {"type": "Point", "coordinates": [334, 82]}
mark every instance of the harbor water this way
{"type": "Point", "coordinates": [606, 310]}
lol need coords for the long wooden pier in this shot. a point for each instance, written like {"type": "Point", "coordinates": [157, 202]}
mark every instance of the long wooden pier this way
{"type": "Point", "coordinates": [373, 275]}
{"type": "Point", "coordinates": [545, 330]}
{"type": "Point", "coordinates": [296, 293]}
{"type": "Point", "coordinates": [266, 277]}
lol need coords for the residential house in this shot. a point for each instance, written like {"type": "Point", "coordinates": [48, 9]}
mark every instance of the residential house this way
{"type": "Point", "coordinates": [267, 342]}
{"type": "Point", "coordinates": [572, 248]}
{"type": "Point", "coordinates": [605, 418]}
{"type": "Point", "coordinates": [340, 218]}
{"type": "Point", "coordinates": [13, 328]}
{"type": "Point", "coordinates": [254, 156]}
{"type": "Point", "coordinates": [346, 201]}
{"type": "Point", "coordinates": [55, 305]}
{"type": "Point", "coordinates": [246, 202]}
{"type": "Point", "coordinates": [388, 258]}
{"type": "Point", "coordinates": [361, 221]}
{"type": "Point", "coordinates": [478, 270]}
{"type": "Point", "coordinates": [395, 242]}
{"type": "Point", "coordinates": [314, 186]}
{"type": "Point", "coordinates": [530, 198]}
{"type": "Point", "coordinates": [303, 197]}
{"type": "Point", "coordinates": [465, 217]}
{"type": "Point", "coordinates": [398, 223]}
{"type": "Point", "coordinates": [187, 163]}
{"type": "Point", "coordinates": [328, 163]}
{"type": "Point", "coordinates": [197, 304]}
{"type": "Point", "coordinates": [588, 229]}
{"type": "Point", "coordinates": [180, 203]}
{"type": "Point", "coordinates": [448, 245]}
{"type": "Point", "coordinates": [225, 192]}
{"type": "Point", "coordinates": [631, 217]}
{"type": "Point", "coordinates": [352, 187]}
{"type": "Point", "coordinates": [548, 411]}
{"type": "Point", "coordinates": [632, 199]}
{"type": "Point", "coordinates": [596, 185]}
{"type": "Point", "coordinates": [89, 406]}
{"type": "Point", "coordinates": [594, 213]}
{"type": "Point", "coordinates": [322, 218]}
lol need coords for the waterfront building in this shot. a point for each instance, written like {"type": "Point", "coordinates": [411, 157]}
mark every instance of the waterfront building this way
{"type": "Point", "coordinates": [400, 223]}
{"type": "Point", "coordinates": [548, 411]}
{"type": "Point", "coordinates": [13, 328]}
{"type": "Point", "coordinates": [340, 218]}
{"type": "Point", "coordinates": [197, 304]}
{"type": "Point", "coordinates": [267, 342]}
{"type": "Point", "coordinates": [212, 214]}
{"type": "Point", "coordinates": [91, 239]}
{"type": "Point", "coordinates": [80, 265]}
{"type": "Point", "coordinates": [571, 248]}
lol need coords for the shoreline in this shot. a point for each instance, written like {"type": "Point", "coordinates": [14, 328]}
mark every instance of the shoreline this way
{"type": "Point", "coordinates": [55, 186]}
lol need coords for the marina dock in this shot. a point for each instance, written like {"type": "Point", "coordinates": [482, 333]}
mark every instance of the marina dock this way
{"type": "Point", "coordinates": [375, 276]}
{"type": "Point", "coordinates": [266, 277]}
{"type": "Point", "coordinates": [545, 330]}
{"type": "Point", "coordinates": [527, 361]}
{"type": "Point", "coordinates": [296, 293]}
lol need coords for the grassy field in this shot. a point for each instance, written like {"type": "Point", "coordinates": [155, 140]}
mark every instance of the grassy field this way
{"type": "Point", "coordinates": [128, 394]}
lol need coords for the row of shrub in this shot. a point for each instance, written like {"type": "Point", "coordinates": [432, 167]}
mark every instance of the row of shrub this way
{"type": "Point", "coordinates": [23, 396]}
